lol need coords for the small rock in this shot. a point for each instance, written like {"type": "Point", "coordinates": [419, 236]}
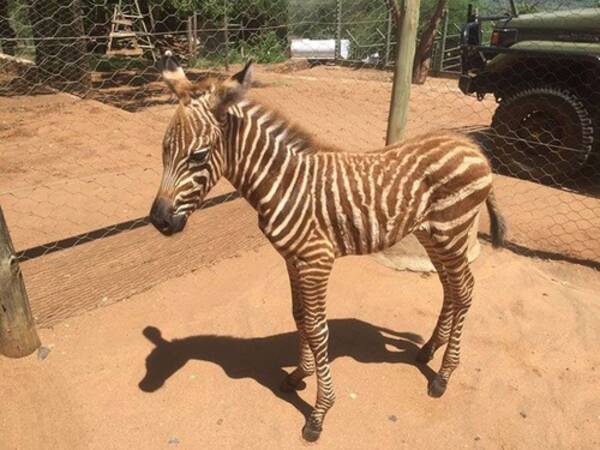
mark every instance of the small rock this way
{"type": "Point", "coordinates": [219, 422]}
{"type": "Point", "coordinates": [392, 418]}
{"type": "Point", "coordinates": [353, 395]}
{"type": "Point", "coordinates": [523, 415]}
{"type": "Point", "coordinates": [43, 353]}
{"type": "Point", "coordinates": [173, 441]}
{"type": "Point", "coordinates": [477, 438]}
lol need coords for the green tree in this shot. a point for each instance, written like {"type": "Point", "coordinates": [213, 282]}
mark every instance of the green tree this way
{"type": "Point", "coordinates": [60, 45]}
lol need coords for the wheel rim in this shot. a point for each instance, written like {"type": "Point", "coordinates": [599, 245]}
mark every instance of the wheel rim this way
{"type": "Point", "coordinates": [540, 131]}
{"type": "Point", "coordinates": [542, 128]}
{"type": "Point", "coordinates": [542, 134]}
{"type": "Point", "coordinates": [547, 145]}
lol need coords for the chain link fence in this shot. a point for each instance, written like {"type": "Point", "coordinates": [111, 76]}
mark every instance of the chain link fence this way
{"type": "Point", "coordinates": [83, 109]}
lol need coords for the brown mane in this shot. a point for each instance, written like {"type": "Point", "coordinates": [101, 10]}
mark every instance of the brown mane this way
{"type": "Point", "coordinates": [298, 133]}
{"type": "Point", "coordinates": [295, 132]}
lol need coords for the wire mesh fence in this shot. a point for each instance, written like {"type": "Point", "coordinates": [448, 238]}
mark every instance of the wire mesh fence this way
{"type": "Point", "coordinates": [83, 109]}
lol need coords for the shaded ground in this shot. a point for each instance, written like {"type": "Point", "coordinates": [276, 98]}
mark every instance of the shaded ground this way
{"type": "Point", "coordinates": [196, 361]}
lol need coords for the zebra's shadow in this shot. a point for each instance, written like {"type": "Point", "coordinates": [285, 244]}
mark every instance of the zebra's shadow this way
{"type": "Point", "coordinates": [263, 358]}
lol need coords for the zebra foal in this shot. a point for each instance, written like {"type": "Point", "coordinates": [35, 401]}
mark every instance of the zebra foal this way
{"type": "Point", "coordinates": [315, 204]}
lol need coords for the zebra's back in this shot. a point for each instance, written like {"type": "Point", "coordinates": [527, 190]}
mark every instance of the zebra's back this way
{"type": "Point", "coordinates": [367, 202]}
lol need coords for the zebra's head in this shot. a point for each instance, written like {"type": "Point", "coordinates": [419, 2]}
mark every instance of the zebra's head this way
{"type": "Point", "coordinates": [193, 146]}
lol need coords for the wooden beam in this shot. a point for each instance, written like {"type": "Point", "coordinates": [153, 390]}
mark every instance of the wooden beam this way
{"type": "Point", "coordinates": [18, 336]}
{"type": "Point", "coordinates": [406, 17]}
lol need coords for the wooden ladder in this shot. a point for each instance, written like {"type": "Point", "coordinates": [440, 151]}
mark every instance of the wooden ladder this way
{"type": "Point", "coordinates": [128, 34]}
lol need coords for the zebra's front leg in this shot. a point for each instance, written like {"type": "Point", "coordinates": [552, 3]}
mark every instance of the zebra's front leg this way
{"type": "Point", "coordinates": [313, 276]}
{"type": "Point", "coordinates": [306, 365]}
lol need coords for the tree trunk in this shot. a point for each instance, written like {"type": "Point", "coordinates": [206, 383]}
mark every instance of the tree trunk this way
{"type": "Point", "coordinates": [60, 45]}
{"type": "Point", "coordinates": [407, 21]}
{"type": "Point", "coordinates": [422, 61]}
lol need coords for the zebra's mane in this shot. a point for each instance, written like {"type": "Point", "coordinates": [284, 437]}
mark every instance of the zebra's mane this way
{"type": "Point", "coordinates": [297, 137]}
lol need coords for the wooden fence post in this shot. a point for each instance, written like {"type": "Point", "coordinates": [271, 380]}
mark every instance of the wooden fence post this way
{"type": "Point", "coordinates": [18, 336]}
{"type": "Point", "coordinates": [407, 21]}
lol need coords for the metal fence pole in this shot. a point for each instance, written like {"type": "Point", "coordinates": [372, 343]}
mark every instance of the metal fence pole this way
{"type": "Point", "coordinates": [226, 28]}
{"type": "Point", "coordinates": [439, 63]}
{"type": "Point", "coordinates": [407, 22]}
{"type": "Point", "coordinates": [195, 33]}
{"type": "Point", "coordinates": [338, 30]}
{"type": "Point", "coordinates": [190, 36]}
{"type": "Point", "coordinates": [388, 39]}
{"type": "Point", "coordinates": [18, 336]}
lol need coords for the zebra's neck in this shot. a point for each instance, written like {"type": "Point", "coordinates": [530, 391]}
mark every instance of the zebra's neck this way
{"type": "Point", "coordinates": [262, 151]}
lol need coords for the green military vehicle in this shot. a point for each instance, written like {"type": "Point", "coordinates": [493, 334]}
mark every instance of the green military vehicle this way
{"type": "Point", "coordinates": [544, 71]}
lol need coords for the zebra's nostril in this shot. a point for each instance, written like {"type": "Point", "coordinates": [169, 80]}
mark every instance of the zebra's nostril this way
{"type": "Point", "coordinates": [160, 215]}
{"type": "Point", "coordinates": [160, 224]}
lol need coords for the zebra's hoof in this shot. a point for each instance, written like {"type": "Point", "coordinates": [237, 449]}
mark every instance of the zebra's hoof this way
{"type": "Point", "coordinates": [424, 355]}
{"type": "Point", "coordinates": [311, 431]}
{"type": "Point", "coordinates": [289, 386]}
{"type": "Point", "coordinates": [437, 387]}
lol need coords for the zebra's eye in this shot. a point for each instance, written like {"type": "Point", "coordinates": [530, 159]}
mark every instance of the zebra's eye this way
{"type": "Point", "coordinates": [198, 156]}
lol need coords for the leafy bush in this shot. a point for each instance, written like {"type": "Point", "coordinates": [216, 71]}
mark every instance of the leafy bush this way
{"type": "Point", "coordinates": [264, 48]}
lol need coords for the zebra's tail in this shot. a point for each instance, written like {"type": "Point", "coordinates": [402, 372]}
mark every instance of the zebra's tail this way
{"type": "Point", "coordinates": [497, 222]}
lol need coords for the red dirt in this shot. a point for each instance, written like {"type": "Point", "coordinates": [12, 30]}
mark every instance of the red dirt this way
{"type": "Point", "coordinates": [528, 377]}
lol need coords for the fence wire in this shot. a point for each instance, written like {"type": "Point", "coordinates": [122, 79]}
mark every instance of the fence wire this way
{"type": "Point", "coordinates": [83, 109]}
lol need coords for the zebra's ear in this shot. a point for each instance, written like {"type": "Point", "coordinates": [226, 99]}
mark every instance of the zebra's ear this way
{"type": "Point", "coordinates": [175, 78]}
{"type": "Point", "coordinates": [233, 89]}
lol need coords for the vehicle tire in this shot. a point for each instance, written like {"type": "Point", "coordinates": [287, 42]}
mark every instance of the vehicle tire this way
{"type": "Point", "coordinates": [544, 134]}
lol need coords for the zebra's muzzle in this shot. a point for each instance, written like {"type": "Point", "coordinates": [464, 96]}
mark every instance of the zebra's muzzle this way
{"type": "Point", "coordinates": [163, 219]}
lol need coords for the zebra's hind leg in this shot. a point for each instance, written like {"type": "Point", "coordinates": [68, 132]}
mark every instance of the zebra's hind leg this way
{"type": "Point", "coordinates": [306, 365]}
{"type": "Point", "coordinates": [313, 276]}
{"type": "Point", "coordinates": [441, 331]}
{"type": "Point", "coordinates": [459, 279]}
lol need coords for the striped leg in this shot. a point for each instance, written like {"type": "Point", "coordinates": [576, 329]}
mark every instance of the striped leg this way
{"type": "Point", "coordinates": [460, 283]}
{"type": "Point", "coordinates": [313, 275]}
{"type": "Point", "coordinates": [442, 329]}
{"type": "Point", "coordinates": [306, 365]}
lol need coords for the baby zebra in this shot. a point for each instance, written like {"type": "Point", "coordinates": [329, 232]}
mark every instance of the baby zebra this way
{"type": "Point", "coordinates": [316, 204]}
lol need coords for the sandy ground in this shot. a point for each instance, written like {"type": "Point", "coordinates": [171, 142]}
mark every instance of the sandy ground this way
{"type": "Point", "coordinates": [195, 362]}
{"type": "Point", "coordinates": [218, 295]}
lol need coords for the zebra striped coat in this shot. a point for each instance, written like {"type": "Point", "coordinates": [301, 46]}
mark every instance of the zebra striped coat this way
{"type": "Point", "coordinates": [316, 203]}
